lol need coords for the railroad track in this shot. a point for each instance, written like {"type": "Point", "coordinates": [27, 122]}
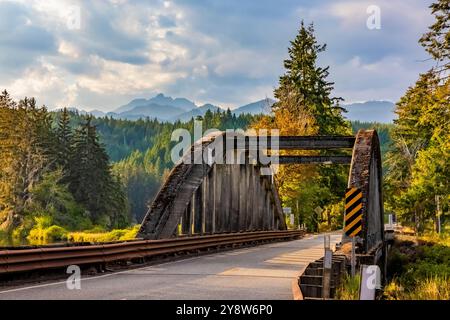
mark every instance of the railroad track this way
{"type": "Point", "coordinates": [46, 258]}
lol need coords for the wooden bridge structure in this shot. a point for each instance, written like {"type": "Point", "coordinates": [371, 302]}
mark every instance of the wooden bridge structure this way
{"type": "Point", "coordinates": [224, 184]}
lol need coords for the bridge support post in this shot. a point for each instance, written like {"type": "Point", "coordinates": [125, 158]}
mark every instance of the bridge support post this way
{"type": "Point", "coordinates": [218, 183]}
{"type": "Point", "coordinates": [235, 199]}
{"type": "Point", "coordinates": [243, 182]}
{"type": "Point", "coordinates": [197, 209]}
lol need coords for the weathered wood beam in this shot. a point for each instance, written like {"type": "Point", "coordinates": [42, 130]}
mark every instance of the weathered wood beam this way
{"type": "Point", "coordinates": [314, 159]}
{"type": "Point", "coordinates": [300, 142]}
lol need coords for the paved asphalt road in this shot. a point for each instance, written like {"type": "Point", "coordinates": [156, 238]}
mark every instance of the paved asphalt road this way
{"type": "Point", "coordinates": [262, 272]}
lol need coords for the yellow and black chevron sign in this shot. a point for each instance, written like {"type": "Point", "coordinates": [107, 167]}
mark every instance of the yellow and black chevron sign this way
{"type": "Point", "coordinates": [353, 212]}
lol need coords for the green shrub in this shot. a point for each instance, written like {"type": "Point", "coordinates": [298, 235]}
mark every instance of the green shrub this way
{"type": "Point", "coordinates": [114, 235]}
{"type": "Point", "coordinates": [131, 233]}
{"type": "Point", "coordinates": [393, 291]}
{"type": "Point", "coordinates": [55, 233]}
{"type": "Point", "coordinates": [39, 235]}
{"type": "Point", "coordinates": [420, 268]}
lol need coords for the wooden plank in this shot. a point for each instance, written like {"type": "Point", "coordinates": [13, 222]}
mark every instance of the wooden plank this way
{"type": "Point", "coordinates": [191, 216]}
{"type": "Point", "coordinates": [204, 187]}
{"type": "Point", "coordinates": [226, 199]}
{"type": "Point", "coordinates": [235, 199]}
{"type": "Point", "coordinates": [267, 211]}
{"type": "Point", "coordinates": [256, 199]}
{"type": "Point", "coordinates": [197, 211]}
{"type": "Point", "coordinates": [185, 220]}
{"type": "Point", "coordinates": [250, 196]}
{"type": "Point", "coordinates": [309, 142]}
{"type": "Point", "coordinates": [243, 189]}
{"type": "Point", "coordinates": [218, 185]}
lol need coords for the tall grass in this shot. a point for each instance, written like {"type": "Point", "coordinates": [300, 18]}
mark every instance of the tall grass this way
{"type": "Point", "coordinates": [42, 235]}
{"type": "Point", "coordinates": [114, 235]}
{"type": "Point", "coordinates": [432, 288]}
{"type": "Point", "coordinates": [349, 288]}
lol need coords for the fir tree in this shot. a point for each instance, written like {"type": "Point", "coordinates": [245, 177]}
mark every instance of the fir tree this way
{"type": "Point", "coordinates": [304, 88]}
{"type": "Point", "coordinates": [90, 178]}
{"type": "Point", "coordinates": [64, 140]}
{"type": "Point", "coordinates": [437, 40]}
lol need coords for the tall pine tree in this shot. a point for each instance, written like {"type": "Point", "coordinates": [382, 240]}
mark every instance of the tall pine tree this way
{"type": "Point", "coordinates": [304, 89]}
{"type": "Point", "coordinates": [25, 152]}
{"type": "Point", "coordinates": [90, 179]}
{"type": "Point", "coordinates": [306, 106]}
{"type": "Point", "coordinates": [64, 140]}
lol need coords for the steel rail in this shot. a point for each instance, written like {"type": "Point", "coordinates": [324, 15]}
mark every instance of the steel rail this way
{"type": "Point", "coordinates": [23, 260]}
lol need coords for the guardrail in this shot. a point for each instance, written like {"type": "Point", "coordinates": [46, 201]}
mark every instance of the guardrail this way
{"type": "Point", "coordinates": [23, 260]}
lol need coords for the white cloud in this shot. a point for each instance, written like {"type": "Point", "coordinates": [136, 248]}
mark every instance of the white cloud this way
{"type": "Point", "coordinates": [227, 53]}
{"type": "Point", "coordinates": [353, 14]}
{"type": "Point", "coordinates": [38, 81]}
{"type": "Point", "coordinates": [68, 49]}
{"type": "Point", "coordinates": [123, 78]}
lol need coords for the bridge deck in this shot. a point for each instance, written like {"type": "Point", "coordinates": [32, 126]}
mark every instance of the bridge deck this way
{"type": "Point", "coordinates": [262, 272]}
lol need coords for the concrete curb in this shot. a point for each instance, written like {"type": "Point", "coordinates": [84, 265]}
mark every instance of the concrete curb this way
{"type": "Point", "coordinates": [296, 291]}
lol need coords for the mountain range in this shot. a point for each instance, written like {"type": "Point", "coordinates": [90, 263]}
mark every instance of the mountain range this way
{"type": "Point", "coordinates": [165, 108]}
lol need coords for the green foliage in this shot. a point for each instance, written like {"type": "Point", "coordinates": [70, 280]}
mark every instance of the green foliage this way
{"type": "Point", "coordinates": [56, 166]}
{"type": "Point", "coordinates": [383, 131]}
{"type": "Point", "coordinates": [123, 137]}
{"type": "Point", "coordinates": [437, 40]}
{"type": "Point", "coordinates": [418, 161]}
{"type": "Point", "coordinates": [419, 269]}
{"type": "Point", "coordinates": [141, 180]}
{"type": "Point", "coordinates": [52, 200]}
{"type": "Point", "coordinates": [26, 141]}
{"type": "Point", "coordinates": [64, 140]}
{"type": "Point", "coordinates": [143, 170]}
{"type": "Point", "coordinates": [89, 177]}
{"type": "Point", "coordinates": [304, 87]}
{"type": "Point", "coordinates": [40, 236]}
{"type": "Point", "coordinates": [94, 236]}
{"type": "Point", "coordinates": [332, 217]}
{"type": "Point", "coordinates": [51, 173]}
{"type": "Point", "coordinates": [43, 233]}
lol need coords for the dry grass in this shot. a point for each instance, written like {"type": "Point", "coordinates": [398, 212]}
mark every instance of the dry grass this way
{"type": "Point", "coordinates": [433, 288]}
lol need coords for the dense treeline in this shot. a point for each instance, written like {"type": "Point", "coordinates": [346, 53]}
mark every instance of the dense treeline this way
{"type": "Point", "coordinates": [144, 170]}
{"type": "Point", "coordinates": [383, 130]}
{"type": "Point", "coordinates": [141, 150]}
{"type": "Point", "coordinates": [419, 160]}
{"type": "Point", "coordinates": [52, 174]}
{"type": "Point", "coordinates": [65, 171]}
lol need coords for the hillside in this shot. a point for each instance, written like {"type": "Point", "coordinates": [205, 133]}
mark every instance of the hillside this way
{"type": "Point", "coordinates": [165, 108]}
{"type": "Point", "coordinates": [371, 111]}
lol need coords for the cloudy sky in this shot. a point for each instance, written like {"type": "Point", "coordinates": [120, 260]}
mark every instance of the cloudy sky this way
{"type": "Point", "coordinates": [101, 54]}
